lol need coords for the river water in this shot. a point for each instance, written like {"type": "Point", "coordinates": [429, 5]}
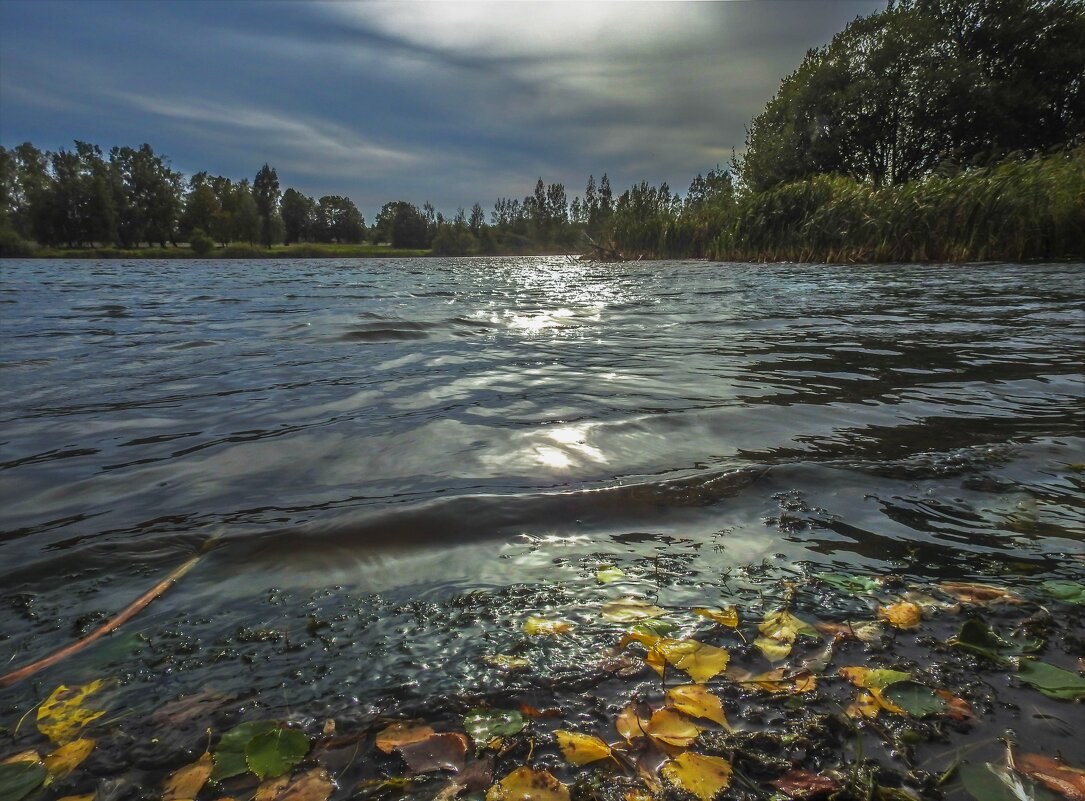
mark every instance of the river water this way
{"type": "Point", "coordinates": [408, 431]}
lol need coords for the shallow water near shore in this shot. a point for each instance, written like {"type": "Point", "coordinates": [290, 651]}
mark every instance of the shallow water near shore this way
{"type": "Point", "coordinates": [398, 461]}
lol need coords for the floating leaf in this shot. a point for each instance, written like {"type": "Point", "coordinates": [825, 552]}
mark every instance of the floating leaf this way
{"type": "Point", "coordinates": [696, 701]}
{"type": "Point", "coordinates": [608, 573]}
{"type": "Point", "coordinates": [440, 752]}
{"type": "Point", "coordinates": [979, 594]}
{"type": "Point", "coordinates": [873, 678]}
{"type": "Point", "coordinates": [20, 779]}
{"type": "Point", "coordinates": [704, 776]}
{"type": "Point", "coordinates": [275, 752]}
{"type": "Point", "coordinates": [956, 707]}
{"type": "Point", "coordinates": [629, 722]}
{"type": "Point", "coordinates": [541, 627]}
{"type": "Point", "coordinates": [62, 716]}
{"type": "Point", "coordinates": [845, 582]}
{"type": "Point", "coordinates": [525, 784]}
{"type": "Point", "coordinates": [581, 749]}
{"type": "Point", "coordinates": [701, 662]}
{"type": "Point", "coordinates": [728, 616]}
{"type": "Point", "coordinates": [915, 699]}
{"type": "Point", "coordinates": [1071, 592]}
{"type": "Point", "coordinates": [485, 724]}
{"type": "Point", "coordinates": [313, 785]}
{"type": "Point", "coordinates": [653, 628]}
{"type": "Point", "coordinates": [902, 615]}
{"type": "Point", "coordinates": [1052, 681]}
{"type": "Point", "coordinates": [1053, 774]}
{"type": "Point", "coordinates": [781, 624]}
{"type": "Point", "coordinates": [68, 757]}
{"type": "Point", "coordinates": [270, 789]}
{"type": "Point", "coordinates": [673, 728]}
{"type": "Point", "coordinates": [29, 755]}
{"type": "Point", "coordinates": [507, 663]}
{"type": "Point", "coordinates": [774, 650]}
{"type": "Point", "coordinates": [778, 681]}
{"type": "Point", "coordinates": [229, 756]}
{"type": "Point", "coordinates": [987, 782]}
{"type": "Point", "coordinates": [864, 631]}
{"type": "Point", "coordinates": [188, 781]}
{"type": "Point", "coordinates": [629, 610]}
{"type": "Point", "coordinates": [979, 638]}
{"type": "Point", "coordinates": [801, 784]}
{"type": "Point", "coordinates": [399, 734]}
{"type": "Point", "coordinates": [865, 705]}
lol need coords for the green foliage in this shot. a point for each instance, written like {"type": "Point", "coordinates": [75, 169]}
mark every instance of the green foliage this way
{"type": "Point", "coordinates": [1052, 681]}
{"type": "Point", "coordinates": [20, 779]}
{"type": "Point", "coordinates": [14, 246]}
{"type": "Point", "coordinates": [201, 243]}
{"type": "Point", "coordinates": [275, 752]}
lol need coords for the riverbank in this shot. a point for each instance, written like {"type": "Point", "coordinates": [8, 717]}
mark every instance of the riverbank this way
{"type": "Point", "coordinates": [232, 251]}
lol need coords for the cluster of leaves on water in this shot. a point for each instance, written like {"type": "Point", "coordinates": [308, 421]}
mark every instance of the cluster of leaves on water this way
{"type": "Point", "coordinates": [762, 703]}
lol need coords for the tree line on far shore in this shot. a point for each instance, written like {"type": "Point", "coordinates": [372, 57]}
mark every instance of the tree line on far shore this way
{"type": "Point", "coordinates": [931, 130]}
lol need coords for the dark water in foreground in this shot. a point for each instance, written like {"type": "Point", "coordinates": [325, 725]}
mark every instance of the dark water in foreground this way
{"type": "Point", "coordinates": [375, 440]}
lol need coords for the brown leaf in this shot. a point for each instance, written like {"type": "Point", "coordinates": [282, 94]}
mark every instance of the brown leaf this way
{"type": "Point", "coordinates": [439, 752]}
{"type": "Point", "coordinates": [400, 734]}
{"type": "Point", "coordinates": [1053, 774]}
{"type": "Point", "coordinates": [531, 712]}
{"type": "Point", "coordinates": [270, 789]}
{"type": "Point", "coordinates": [801, 784]}
{"type": "Point", "coordinates": [189, 780]}
{"type": "Point", "coordinates": [980, 594]}
{"type": "Point", "coordinates": [190, 707]}
{"type": "Point", "coordinates": [313, 785]}
{"type": "Point", "coordinates": [956, 707]}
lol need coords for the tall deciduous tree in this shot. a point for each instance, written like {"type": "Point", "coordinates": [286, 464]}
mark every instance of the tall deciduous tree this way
{"type": "Point", "coordinates": [265, 191]}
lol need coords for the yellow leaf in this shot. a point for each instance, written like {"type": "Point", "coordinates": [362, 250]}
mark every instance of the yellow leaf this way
{"type": "Point", "coordinates": [695, 700]}
{"type": "Point", "coordinates": [704, 776]}
{"type": "Point", "coordinates": [778, 681]}
{"type": "Point", "coordinates": [643, 637]}
{"type": "Point", "coordinates": [609, 573]}
{"type": "Point", "coordinates": [865, 705]}
{"type": "Point", "coordinates": [902, 615]}
{"type": "Point", "coordinates": [580, 749]}
{"type": "Point", "coordinates": [87, 797]}
{"type": "Point", "coordinates": [629, 723]}
{"type": "Point", "coordinates": [313, 785]}
{"type": "Point", "coordinates": [700, 661]}
{"type": "Point", "coordinates": [873, 678]}
{"type": "Point", "coordinates": [980, 594]}
{"type": "Point", "coordinates": [784, 626]}
{"type": "Point", "coordinates": [23, 756]}
{"type": "Point", "coordinates": [400, 734]}
{"type": "Point", "coordinates": [637, 795]}
{"type": "Point", "coordinates": [868, 631]}
{"type": "Point", "coordinates": [525, 784]}
{"type": "Point", "coordinates": [656, 661]}
{"type": "Point", "coordinates": [727, 616]}
{"type": "Point", "coordinates": [62, 715]}
{"type": "Point", "coordinates": [672, 727]}
{"type": "Point", "coordinates": [774, 650]}
{"type": "Point", "coordinates": [540, 626]}
{"type": "Point", "coordinates": [506, 663]}
{"type": "Point", "coordinates": [629, 610]}
{"type": "Point", "coordinates": [189, 780]}
{"type": "Point", "coordinates": [68, 757]}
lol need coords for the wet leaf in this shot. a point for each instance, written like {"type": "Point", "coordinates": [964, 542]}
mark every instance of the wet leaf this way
{"type": "Point", "coordinates": [188, 781]}
{"type": "Point", "coordinates": [229, 755]}
{"type": "Point", "coordinates": [873, 678]}
{"type": "Point", "coordinates": [673, 728]}
{"type": "Point", "coordinates": [653, 628]}
{"type": "Point", "coordinates": [525, 784]}
{"type": "Point", "coordinates": [68, 757]}
{"type": "Point", "coordinates": [902, 615]}
{"type": "Point", "coordinates": [802, 785]}
{"type": "Point", "coordinates": [313, 785]}
{"type": "Point", "coordinates": [29, 755]}
{"type": "Point", "coordinates": [864, 631]}
{"type": "Point", "coordinates": [1071, 592]}
{"type": "Point", "coordinates": [92, 796]}
{"type": "Point", "coordinates": [696, 701]}
{"type": "Point", "coordinates": [979, 594]}
{"type": "Point", "coordinates": [400, 733]}
{"type": "Point", "coordinates": [507, 663]}
{"type": "Point", "coordinates": [988, 782]}
{"type": "Point", "coordinates": [914, 698]}
{"type": "Point", "coordinates": [541, 627]}
{"type": "Point", "coordinates": [440, 752]}
{"type": "Point", "coordinates": [275, 752]}
{"type": "Point", "coordinates": [629, 722]}
{"type": "Point", "coordinates": [865, 705]}
{"type": "Point", "coordinates": [845, 582]}
{"type": "Point", "coordinates": [979, 638]}
{"type": "Point", "coordinates": [956, 707]}
{"type": "Point", "coordinates": [820, 661]}
{"type": "Point", "coordinates": [700, 661]}
{"type": "Point", "coordinates": [781, 624]}
{"type": "Point", "coordinates": [529, 711]}
{"type": "Point", "coordinates": [608, 573]}
{"type": "Point", "coordinates": [1053, 774]}
{"type": "Point", "coordinates": [703, 776]}
{"type": "Point", "coordinates": [1052, 681]}
{"type": "Point", "coordinates": [581, 749]}
{"type": "Point", "coordinates": [20, 779]}
{"type": "Point", "coordinates": [728, 616]}
{"type": "Point", "coordinates": [778, 680]}
{"type": "Point", "coordinates": [270, 789]}
{"type": "Point", "coordinates": [629, 610]}
{"type": "Point", "coordinates": [774, 650]}
{"type": "Point", "coordinates": [483, 725]}
{"type": "Point", "coordinates": [62, 716]}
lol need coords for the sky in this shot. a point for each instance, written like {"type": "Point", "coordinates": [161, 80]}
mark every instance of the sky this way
{"type": "Point", "coordinates": [448, 102]}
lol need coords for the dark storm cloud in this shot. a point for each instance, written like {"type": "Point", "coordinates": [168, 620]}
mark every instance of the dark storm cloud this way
{"type": "Point", "coordinates": [451, 102]}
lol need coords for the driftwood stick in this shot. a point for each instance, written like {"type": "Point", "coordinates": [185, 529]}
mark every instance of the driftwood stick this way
{"type": "Point", "coordinates": [112, 624]}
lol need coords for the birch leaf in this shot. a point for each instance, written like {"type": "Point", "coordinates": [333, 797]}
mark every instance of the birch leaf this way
{"type": "Point", "coordinates": [581, 749]}
{"type": "Point", "coordinates": [696, 701]}
{"type": "Point", "coordinates": [62, 716]}
{"type": "Point", "coordinates": [68, 757]}
{"type": "Point", "coordinates": [525, 784]}
{"type": "Point", "coordinates": [673, 728]}
{"type": "Point", "coordinates": [704, 776]}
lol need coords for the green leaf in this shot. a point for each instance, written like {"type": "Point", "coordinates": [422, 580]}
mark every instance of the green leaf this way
{"type": "Point", "coordinates": [1071, 592]}
{"type": "Point", "coordinates": [845, 582]}
{"type": "Point", "coordinates": [228, 764]}
{"type": "Point", "coordinates": [229, 756]}
{"type": "Point", "coordinates": [275, 752]}
{"type": "Point", "coordinates": [988, 782]}
{"type": "Point", "coordinates": [609, 573]}
{"type": "Point", "coordinates": [654, 627]}
{"type": "Point", "coordinates": [915, 699]}
{"type": "Point", "coordinates": [484, 725]}
{"type": "Point", "coordinates": [979, 638]}
{"type": "Point", "coordinates": [880, 678]}
{"type": "Point", "coordinates": [1054, 682]}
{"type": "Point", "coordinates": [20, 779]}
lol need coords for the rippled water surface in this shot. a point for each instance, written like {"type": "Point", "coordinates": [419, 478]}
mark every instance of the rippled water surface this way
{"type": "Point", "coordinates": [408, 430]}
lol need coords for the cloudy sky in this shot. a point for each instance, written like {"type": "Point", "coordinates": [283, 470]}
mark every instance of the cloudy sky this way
{"type": "Point", "coordinates": [448, 102]}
